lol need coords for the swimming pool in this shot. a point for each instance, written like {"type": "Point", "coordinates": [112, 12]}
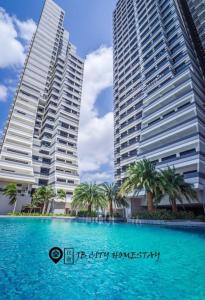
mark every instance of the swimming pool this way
{"type": "Point", "coordinates": [27, 272]}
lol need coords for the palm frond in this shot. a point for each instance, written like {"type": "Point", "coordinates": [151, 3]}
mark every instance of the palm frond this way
{"type": "Point", "coordinates": [175, 187]}
{"type": "Point", "coordinates": [11, 192]}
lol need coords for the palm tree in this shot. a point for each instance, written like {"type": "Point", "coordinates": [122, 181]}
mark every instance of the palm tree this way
{"type": "Point", "coordinates": [61, 194]}
{"type": "Point", "coordinates": [32, 206]}
{"type": "Point", "coordinates": [36, 198]}
{"type": "Point", "coordinates": [44, 195]}
{"type": "Point", "coordinates": [142, 175]}
{"type": "Point", "coordinates": [88, 195]}
{"type": "Point", "coordinates": [175, 187]}
{"type": "Point", "coordinates": [36, 201]}
{"type": "Point", "coordinates": [11, 192]}
{"type": "Point", "coordinates": [112, 196]}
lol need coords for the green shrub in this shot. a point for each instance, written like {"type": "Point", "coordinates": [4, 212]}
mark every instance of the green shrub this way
{"type": "Point", "coordinates": [72, 214]}
{"type": "Point", "coordinates": [80, 214]}
{"type": "Point", "coordinates": [201, 218]}
{"type": "Point", "coordinates": [117, 215]}
{"type": "Point", "coordinates": [163, 214]}
{"type": "Point", "coordinates": [185, 215]}
{"type": "Point", "coordinates": [36, 214]}
{"type": "Point", "coordinates": [83, 213]}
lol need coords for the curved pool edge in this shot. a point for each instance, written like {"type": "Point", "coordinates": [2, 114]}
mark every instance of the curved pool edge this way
{"type": "Point", "coordinates": [174, 223]}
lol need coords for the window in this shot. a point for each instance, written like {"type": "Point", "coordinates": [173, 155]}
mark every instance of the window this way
{"type": "Point", "coordinates": [180, 68]}
{"type": "Point", "coordinates": [61, 150]}
{"type": "Point", "coordinates": [170, 157]}
{"type": "Point", "coordinates": [42, 182]}
{"type": "Point", "coordinates": [158, 45]}
{"type": "Point", "coordinates": [147, 65]}
{"type": "Point", "coordinates": [61, 180]}
{"type": "Point", "coordinates": [152, 90]}
{"type": "Point", "coordinates": [154, 121]}
{"type": "Point", "coordinates": [157, 37]}
{"type": "Point", "coordinates": [183, 105]}
{"type": "Point", "coordinates": [151, 72]}
{"type": "Point", "coordinates": [172, 40]}
{"type": "Point", "coordinates": [175, 48]}
{"type": "Point", "coordinates": [139, 115]}
{"type": "Point", "coordinates": [146, 40]}
{"type": "Point", "coordinates": [162, 62]}
{"type": "Point", "coordinates": [178, 57]}
{"type": "Point", "coordinates": [44, 152]}
{"type": "Point", "coordinates": [133, 152]}
{"type": "Point", "coordinates": [17, 161]}
{"type": "Point", "coordinates": [46, 144]}
{"type": "Point", "coordinates": [64, 134]}
{"type": "Point", "coordinates": [169, 33]}
{"type": "Point", "coordinates": [169, 114]}
{"type": "Point", "coordinates": [159, 54]}
{"type": "Point", "coordinates": [190, 174]}
{"type": "Point", "coordinates": [132, 141]}
{"type": "Point", "coordinates": [64, 125]}
{"type": "Point", "coordinates": [44, 171]}
{"type": "Point", "coordinates": [46, 160]}
{"type": "Point", "coordinates": [71, 181]}
{"type": "Point", "coordinates": [146, 48]}
{"type": "Point", "coordinates": [35, 157]}
{"type": "Point", "coordinates": [17, 151]}
{"type": "Point", "coordinates": [188, 153]}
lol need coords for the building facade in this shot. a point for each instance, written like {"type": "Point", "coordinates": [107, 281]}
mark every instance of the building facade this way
{"type": "Point", "coordinates": [39, 143]}
{"type": "Point", "coordinates": [159, 90]}
{"type": "Point", "coordinates": [195, 10]}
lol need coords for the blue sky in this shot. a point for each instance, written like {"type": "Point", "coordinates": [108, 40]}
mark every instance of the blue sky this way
{"type": "Point", "coordinates": [90, 25]}
{"type": "Point", "coordinates": [88, 21]}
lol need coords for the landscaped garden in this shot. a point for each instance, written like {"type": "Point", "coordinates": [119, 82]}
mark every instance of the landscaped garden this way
{"type": "Point", "coordinates": [90, 198]}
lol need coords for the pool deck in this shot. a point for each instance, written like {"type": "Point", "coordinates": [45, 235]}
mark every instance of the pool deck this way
{"type": "Point", "coordinates": [180, 223]}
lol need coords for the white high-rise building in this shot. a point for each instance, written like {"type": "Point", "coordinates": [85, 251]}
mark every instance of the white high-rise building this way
{"type": "Point", "coordinates": [39, 144]}
{"type": "Point", "coordinates": [159, 89]}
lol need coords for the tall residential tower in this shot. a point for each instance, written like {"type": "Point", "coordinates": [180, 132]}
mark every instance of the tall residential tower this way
{"type": "Point", "coordinates": [39, 145]}
{"type": "Point", "coordinates": [159, 89]}
{"type": "Point", "coordinates": [195, 10]}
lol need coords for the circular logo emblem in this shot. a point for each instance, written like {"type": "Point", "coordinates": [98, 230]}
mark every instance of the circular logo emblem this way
{"type": "Point", "coordinates": [56, 254]}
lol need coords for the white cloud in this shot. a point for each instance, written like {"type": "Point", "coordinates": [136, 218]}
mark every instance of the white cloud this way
{"type": "Point", "coordinates": [26, 29]}
{"type": "Point", "coordinates": [3, 92]}
{"type": "Point", "coordinates": [96, 132]}
{"type": "Point", "coordinates": [12, 51]}
{"type": "Point", "coordinates": [98, 75]}
{"type": "Point", "coordinates": [98, 177]}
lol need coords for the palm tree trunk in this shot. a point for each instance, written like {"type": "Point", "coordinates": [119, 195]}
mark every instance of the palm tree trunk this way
{"type": "Point", "coordinates": [150, 204]}
{"type": "Point", "coordinates": [44, 208]}
{"type": "Point", "coordinates": [111, 209]}
{"type": "Point", "coordinates": [14, 209]}
{"type": "Point", "coordinates": [174, 205]}
{"type": "Point", "coordinates": [49, 207]}
{"type": "Point", "coordinates": [89, 208]}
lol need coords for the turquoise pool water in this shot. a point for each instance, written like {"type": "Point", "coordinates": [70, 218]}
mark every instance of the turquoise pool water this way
{"type": "Point", "coordinates": [26, 272]}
